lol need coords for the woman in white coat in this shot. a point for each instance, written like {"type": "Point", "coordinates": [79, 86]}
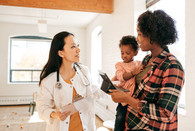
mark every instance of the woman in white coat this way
{"type": "Point", "coordinates": [66, 99]}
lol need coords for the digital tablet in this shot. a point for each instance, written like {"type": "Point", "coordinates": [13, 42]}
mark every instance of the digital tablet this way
{"type": "Point", "coordinates": [108, 85]}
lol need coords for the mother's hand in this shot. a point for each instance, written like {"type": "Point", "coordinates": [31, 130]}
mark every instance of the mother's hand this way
{"type": "Point", "coordinates": [119, 96]}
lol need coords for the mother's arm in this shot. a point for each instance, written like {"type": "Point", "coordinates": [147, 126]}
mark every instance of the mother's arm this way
{"type": "Point", "coordinates": [165, 108]}
{"type": "Point", "coordinates": [121, 97]}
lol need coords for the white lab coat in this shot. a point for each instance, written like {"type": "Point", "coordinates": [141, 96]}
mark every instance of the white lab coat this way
{"type": "Point", "coordinates": [51, 99]}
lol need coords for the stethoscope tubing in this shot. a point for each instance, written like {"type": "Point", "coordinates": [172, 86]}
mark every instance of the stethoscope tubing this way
{"type": "Point", "coordinates": [85, 82]}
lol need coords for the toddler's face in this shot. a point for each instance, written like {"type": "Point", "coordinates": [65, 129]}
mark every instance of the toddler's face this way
{"type": "Point", "coordinates": [127, 53]}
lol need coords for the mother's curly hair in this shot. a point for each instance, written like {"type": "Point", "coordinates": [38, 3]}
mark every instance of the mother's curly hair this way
{"type": "Point", "coordinates": [158, 26]}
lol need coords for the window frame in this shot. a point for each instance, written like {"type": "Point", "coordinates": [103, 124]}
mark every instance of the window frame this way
{"type": "Point", "coordinates": [96, 37]}
{"type": "Point", "coordinates": [32, 71]}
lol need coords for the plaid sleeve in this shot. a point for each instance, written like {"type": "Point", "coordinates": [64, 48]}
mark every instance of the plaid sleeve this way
{"type": "Point", "coordinates": [166, 106]}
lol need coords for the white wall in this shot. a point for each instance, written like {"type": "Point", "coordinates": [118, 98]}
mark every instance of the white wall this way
{"type": "Point", "coordinates": [114, 26]}
{"type": "Point", "coordinates": [7, 30]}
{"type": "Point", "coordinates": [187, 122]}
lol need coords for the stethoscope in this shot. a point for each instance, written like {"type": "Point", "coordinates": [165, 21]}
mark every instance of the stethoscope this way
{"type": "Point", "coordinates": [82, 76]}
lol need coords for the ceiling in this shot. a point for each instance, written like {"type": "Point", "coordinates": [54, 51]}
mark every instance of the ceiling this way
{"type": "Point", "coordinates": [26, 15]}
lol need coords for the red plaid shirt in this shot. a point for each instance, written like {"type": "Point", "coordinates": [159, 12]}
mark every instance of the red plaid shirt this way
{"type": "Point", "coordinates": [159, 93]}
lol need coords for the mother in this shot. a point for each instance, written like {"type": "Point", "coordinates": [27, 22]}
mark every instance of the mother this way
{"type": "Point", "coordinates": [154, 103]}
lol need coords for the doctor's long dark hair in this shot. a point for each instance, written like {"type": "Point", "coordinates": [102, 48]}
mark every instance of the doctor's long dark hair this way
{"type": "Point", "coordinates": [54, 61]}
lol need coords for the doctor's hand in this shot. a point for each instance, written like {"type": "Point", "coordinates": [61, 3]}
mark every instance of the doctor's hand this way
{"type": "Point", "coordinates": [60, 116]}
{"type": "Point", "coordinates": [69, 108]}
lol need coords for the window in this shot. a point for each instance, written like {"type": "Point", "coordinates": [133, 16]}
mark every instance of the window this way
{"type": "Point", "coordinates": [177, 49]}
{"type": "Point", "coordinates": [28, 55]}
{"type": "Point", "coordinates": [96, 57]}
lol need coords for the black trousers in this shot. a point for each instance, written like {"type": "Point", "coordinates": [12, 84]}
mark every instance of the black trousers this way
{"type": "Point", "coordinates": [120, 117]}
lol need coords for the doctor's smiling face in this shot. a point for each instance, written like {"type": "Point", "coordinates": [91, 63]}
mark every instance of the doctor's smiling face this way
{"type": "Point", "coordinates": [70, 52]}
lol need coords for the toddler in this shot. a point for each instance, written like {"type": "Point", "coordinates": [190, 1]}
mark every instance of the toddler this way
{"type": "Point", "coordinates": [125, 74]}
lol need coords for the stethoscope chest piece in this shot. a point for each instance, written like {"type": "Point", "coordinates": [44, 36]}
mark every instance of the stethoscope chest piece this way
{"type": "Point", "coordinates": [58, 85]}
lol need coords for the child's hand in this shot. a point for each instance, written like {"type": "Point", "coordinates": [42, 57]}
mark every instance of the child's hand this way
{"type": "Point", "coordinates": [114, 79]}
{"type": "Point", "coordinates": [138, 70]}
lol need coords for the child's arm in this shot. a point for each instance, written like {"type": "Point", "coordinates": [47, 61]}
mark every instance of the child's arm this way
{"type": "Point", "coordinates": [129, 75]}
{"type": "Point", "coordinates": [119, 72]}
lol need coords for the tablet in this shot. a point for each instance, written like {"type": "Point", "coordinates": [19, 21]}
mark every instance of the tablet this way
{"type": "Point", "coordinates": [108, 85]}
